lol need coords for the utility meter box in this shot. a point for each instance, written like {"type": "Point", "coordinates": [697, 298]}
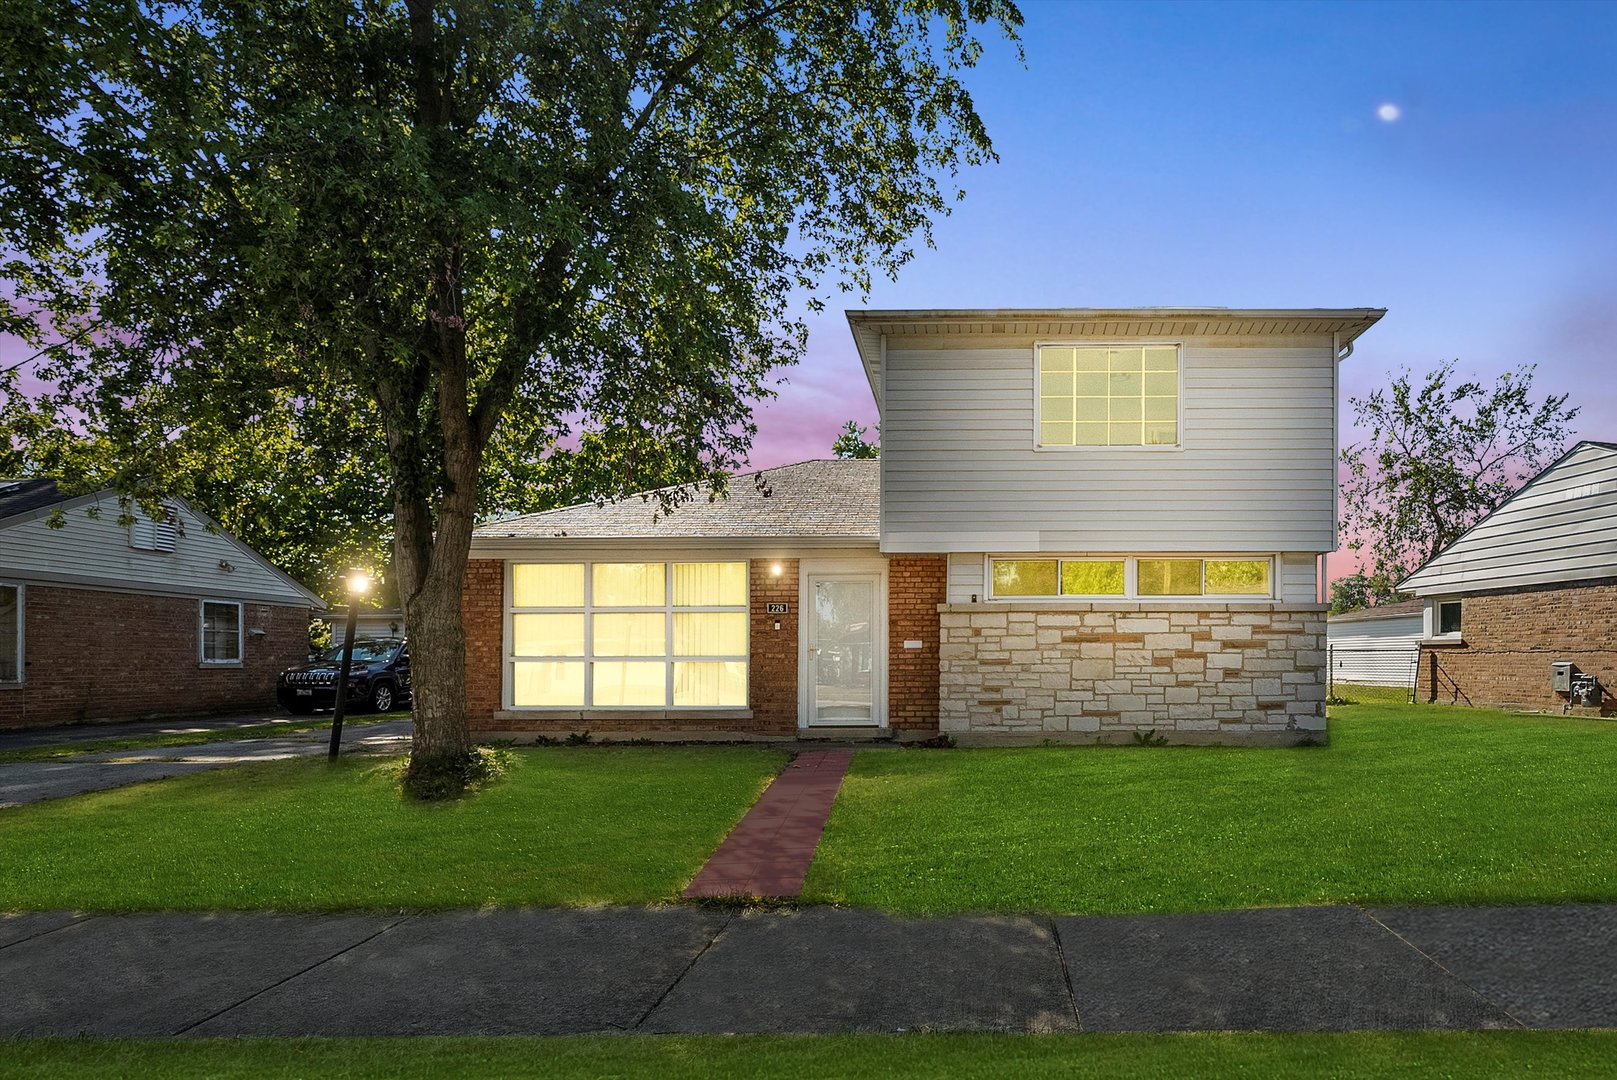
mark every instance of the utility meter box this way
{"type": "Point", "coordinates": [1561, 673]}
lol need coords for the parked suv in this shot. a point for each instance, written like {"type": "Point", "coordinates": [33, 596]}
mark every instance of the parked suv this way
{"type": "Point", "coordinates": [378, 680]}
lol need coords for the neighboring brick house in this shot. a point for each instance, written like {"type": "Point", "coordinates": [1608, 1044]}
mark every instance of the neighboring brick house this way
{"type": "Point", "coordinates": [102, 620]}
{"type": "Point", "coordinates": [1085, 524]}
{"type": "Point", "coordinates": [1531, 585]}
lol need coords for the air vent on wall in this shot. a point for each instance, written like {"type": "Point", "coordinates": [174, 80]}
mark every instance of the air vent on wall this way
{"type": "Point", "coordinates": [149, 534]}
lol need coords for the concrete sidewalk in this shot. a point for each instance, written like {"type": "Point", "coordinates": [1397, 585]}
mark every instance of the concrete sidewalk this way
{"type": "Point", "coordinates": [33, 781]}
{"type": "Point", "coordinates": [700, 969]}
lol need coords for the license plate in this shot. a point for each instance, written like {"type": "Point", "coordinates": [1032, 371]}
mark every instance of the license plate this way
{"type": "Point", "coordinates": [305, 693]}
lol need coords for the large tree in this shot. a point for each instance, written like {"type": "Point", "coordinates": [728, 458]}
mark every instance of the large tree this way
{"type": "Point", "coordinates": [496, 244]}
{"type": "Point", "coordinates": [1439, 453]}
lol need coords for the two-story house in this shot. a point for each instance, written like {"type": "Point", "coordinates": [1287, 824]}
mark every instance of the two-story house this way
{"type": "Point", "coordinates": [1084, 524]}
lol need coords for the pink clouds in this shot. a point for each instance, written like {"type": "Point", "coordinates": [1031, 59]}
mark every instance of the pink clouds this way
{"type": "Point", "coordinates": [821, 394]}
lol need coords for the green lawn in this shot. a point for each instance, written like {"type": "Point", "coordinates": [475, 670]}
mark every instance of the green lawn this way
{"type": "Point", "coordinates": [1408, 805]}
{"type": "Point", "coordinates": [1411, 1055]}
{"type": "Point", "coordinates": [270, 730]}
{"type": "Point", "coordinates": [564, 826]}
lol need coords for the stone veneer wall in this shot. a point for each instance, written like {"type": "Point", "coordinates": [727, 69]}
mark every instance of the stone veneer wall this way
{"type": "Point", "coordinates": [1512, 637]}
{"type": "Point", "coordinates": [1098, 672]}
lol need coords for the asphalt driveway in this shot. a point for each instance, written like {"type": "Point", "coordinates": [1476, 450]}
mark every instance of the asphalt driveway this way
{"type": "Point", "coordinates": [32, 781]}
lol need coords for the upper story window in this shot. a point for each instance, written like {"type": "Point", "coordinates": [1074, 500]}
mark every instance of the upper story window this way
{"type": "Point", "coordinates": [1448, 618]}
{"type": "Point", "coordinates": [1113, 395]}
{"type": "Point", "coordinates": [1130, 578]}
{"type": "Point", "coordinates": [10, 634]}
{"type": "Point", "coordinates": [221, 631]}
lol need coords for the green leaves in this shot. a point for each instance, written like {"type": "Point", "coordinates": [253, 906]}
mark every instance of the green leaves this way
{"type": "Point", "coordinates": [342, 268]}
{"type": "Point", "coordinates": [1441, 454]}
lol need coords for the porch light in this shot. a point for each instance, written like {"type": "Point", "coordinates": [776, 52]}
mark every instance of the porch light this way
{"type": "Point", "coordinates": [776, 570]}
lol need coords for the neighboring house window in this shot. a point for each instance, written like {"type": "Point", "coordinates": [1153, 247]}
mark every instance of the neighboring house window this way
{"type": "Point", "coordinates": [1131, 577]}
{"type": "Point", "coordinates": [628, 635]}
{"type": "Point", "coordinates": [10, 634]}
{"type": "Point", "coordinates": [1448, 618]}
{"type": "Point", "coordinates": [221, 632]}
{"type": "Point", "coordinates": [153, 534]}
{"type": "Point", "coordinates": [1111, 396]}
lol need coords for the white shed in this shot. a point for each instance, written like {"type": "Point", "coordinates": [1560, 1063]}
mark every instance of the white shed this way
{"type": "Point", "coordinates": [1376, 646]}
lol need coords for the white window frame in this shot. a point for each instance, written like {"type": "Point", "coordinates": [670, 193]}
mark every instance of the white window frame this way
{"type": "Point", "coordinates": [202, 634]}
{"type": "Point", "coordinates": [22, 649]}
{"type": "Point", "coordinates": [1131, 578]}
{"type": "Point", "coordinates": [589, 656]}
{"type": "Point", "coordinates": [1434, 620]}
{"type": "Point", "coordinates": [1177, 446]}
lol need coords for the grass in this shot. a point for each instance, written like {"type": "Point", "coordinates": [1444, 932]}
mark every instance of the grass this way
{"type": "Point", "coordinates": [1351, 694]}
{"type": "Point", "coordinates": [564, 826]}
{"type": "Point", "coordinates": [1411, 1055]}
{"type": "Point", "coordinates": [1408, 805]}
{"type": "Point", "coordinates": [271, 730]}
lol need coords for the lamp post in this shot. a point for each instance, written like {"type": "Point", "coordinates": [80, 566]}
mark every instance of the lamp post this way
{"type": "Point", "coordinates": [358, 584]}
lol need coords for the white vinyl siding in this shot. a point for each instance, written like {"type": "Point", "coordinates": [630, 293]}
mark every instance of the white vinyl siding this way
{"type": "Point", "coordinates": [95, 552]}
{"type": "Point", "coordinates": [219, 632]}
{"type": "Point", "coordinates": [1375, 652]}
{"type": "Point", "coordinates": [11, 642]}
{"type": "Point", "coordinates": [1254, 469]}
{"type": "Point", "coordinates": [1561, 527]}
{"type": "Point", "coordinates": [621, 634]}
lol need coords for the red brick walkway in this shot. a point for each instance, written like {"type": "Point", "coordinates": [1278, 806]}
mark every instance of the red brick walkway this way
{"type": "Point", "coordinates": [769, 852]}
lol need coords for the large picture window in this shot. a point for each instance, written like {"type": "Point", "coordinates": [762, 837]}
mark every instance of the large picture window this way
{"type": "Point", "coordinates": [11, 660]}
{"type": "Point", "coordinates": [628, 635]}
{"type": "Point", "coordinates": [221, 631]}
{"type": "Point", "coordinates": [1108, 395]}
{"type": "Point", "coordinates": [1130, 577]}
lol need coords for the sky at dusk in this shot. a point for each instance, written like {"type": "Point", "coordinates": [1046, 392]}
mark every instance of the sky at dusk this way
{"type": "Point", "coordinates": [1200, 154]}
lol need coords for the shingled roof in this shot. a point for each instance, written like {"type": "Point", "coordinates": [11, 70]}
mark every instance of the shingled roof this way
{"type": "Point", "coordinates": [21, 496]}
{"type": "Point", "coordinates": [826, 497]}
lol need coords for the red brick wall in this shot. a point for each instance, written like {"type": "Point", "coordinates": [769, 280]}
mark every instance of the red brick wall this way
{"type": "Point", "coordinates": [915, 588]}
{"type": "Point", "coordinates": [1511, 638]}
{"type": "Point", "coordinates": [482, 608]}
{"type": "Point", "coordinates": [772, 677]}
{"type": "Point", "coordinates": [96, 655]}
{"type": "Point", "coordinates": [916, 585]}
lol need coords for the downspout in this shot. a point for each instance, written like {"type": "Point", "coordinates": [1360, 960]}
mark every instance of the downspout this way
{"type": "Point", "coordinates": [1340, 352]}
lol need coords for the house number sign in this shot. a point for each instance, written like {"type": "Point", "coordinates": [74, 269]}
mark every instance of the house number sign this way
{"type": "Point", "coordinates": [777, 609]}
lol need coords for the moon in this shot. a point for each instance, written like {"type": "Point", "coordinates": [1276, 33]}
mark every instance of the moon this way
{"type": "Point", "coordinates": [1389, 113]}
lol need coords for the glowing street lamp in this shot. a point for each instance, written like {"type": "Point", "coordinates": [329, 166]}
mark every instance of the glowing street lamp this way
{"type": "Point", "coordinates": [359, 583]}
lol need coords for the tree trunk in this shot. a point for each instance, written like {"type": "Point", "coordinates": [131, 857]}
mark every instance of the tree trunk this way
{"type": "Point", "coordinates": [430, 561]}
{"type": "Point", "coordinates": [438, 677]}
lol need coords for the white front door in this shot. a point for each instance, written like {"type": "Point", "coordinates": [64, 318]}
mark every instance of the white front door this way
{"type": "Point", "coordinates": [844, 653]}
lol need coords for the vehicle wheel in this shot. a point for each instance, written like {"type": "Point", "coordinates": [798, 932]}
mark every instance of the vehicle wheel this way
{"type": "Point", "coordinates": [301, 708]}
{"type": "Point", "coordinates": [382, 697]}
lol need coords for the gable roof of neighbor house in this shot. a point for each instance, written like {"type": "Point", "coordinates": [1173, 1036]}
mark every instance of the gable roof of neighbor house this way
{"type": "Point", "coordinates": [21, 496]}
{"type": "Point", "coordinates": [1163, 323]}
{"type": "Point", "coordinates": [822, 498]}
{"type": "Point", "coordinates": [1400, 609]}
{"type": "Point", "coordinates": [1560, 527]}
{"type": "Point", "coordinates": [83, 552]}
